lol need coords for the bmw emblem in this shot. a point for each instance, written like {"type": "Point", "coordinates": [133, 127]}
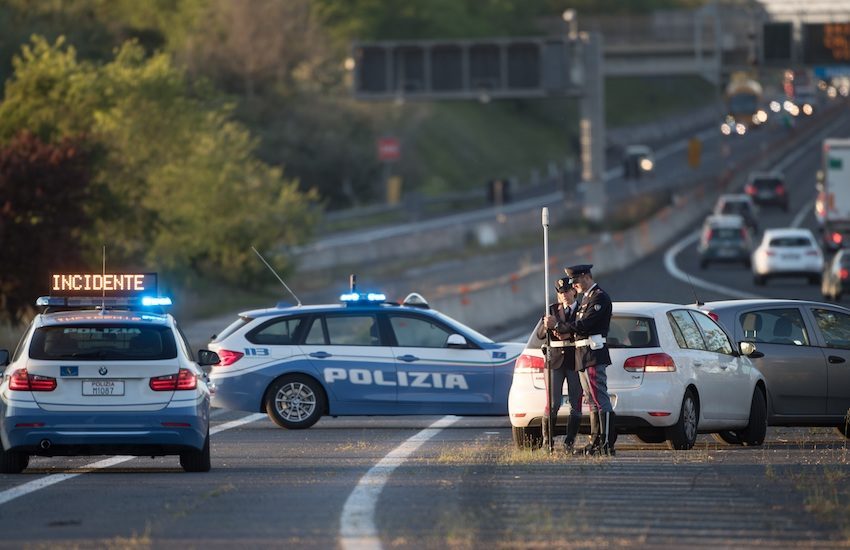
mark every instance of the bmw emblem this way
{"type": "Point", "coordinates": [102, 371]}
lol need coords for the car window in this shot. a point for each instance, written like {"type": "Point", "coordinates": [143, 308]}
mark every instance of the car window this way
{"type": "Point", "coordinates": [316, 335]}
{"type": "Point", "coordinates": [790, 241]}
{"type": "Point", "coordinates": [767, 183]}
{"type": "Point", "coordinates": [834, 326]}
{"type": "Point", "coordinates": [726, 234]}
{"type": "Point", "coordinates": [278, 332]}
{"type": "Point", "coordinates": [231, 328]}
{"type": "Point", "coordinates": [632, 332]}
{"type": "Point", "coordinates": [691, 337]}
{"type": "Point", "coordinates": [20, 348]}
{"type": "Point", "coordinates": [419, 333]}
{"type": "Point", "coordinates": [774, 326]}
{"type": "Point", "coordinates": [103, 342]}
{"type": "Point", "coordinates": [715, 339]}
{"type": "Point", "coordinates": [352, 330]}
{"type": "Point", "coordinates": [736, 207]}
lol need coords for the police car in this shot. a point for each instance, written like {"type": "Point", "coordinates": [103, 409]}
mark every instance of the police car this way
{"type": "Point", "coordinates": [104, 374]}
{"type": "Point", "coordinates": [362, 356]}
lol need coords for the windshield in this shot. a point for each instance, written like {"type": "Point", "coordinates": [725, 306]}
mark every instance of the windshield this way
{"type": "Point", "coordinates": [790, 242]}
{"type": "Point", "coordinates": [103, 342]}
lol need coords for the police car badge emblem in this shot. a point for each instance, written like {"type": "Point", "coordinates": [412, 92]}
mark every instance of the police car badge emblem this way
{"type": "Point", "coordinates": [102, 371]}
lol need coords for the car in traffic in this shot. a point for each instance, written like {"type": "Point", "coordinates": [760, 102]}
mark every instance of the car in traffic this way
{"type": "Point", "coordinates": [804, 357]}
{"type": "Point", "coordinates": [638, 160]}
{"type": "Point", "coordinates": [836, 276]}
{"type": "Point", "coordinates": [104, 374]}
{"type": "Point", "coordinates": [361, 356]}
{"type": "Point", "coordinates": [787, 252]}
{"type": "Point", "coordinates": [738, 204]}
{"type": "Point", "coordinates": [674, 373]}
{"type": "Point", "coordinates": [725, 238]}
{"type": "Point", "coordinates": [768, 188]}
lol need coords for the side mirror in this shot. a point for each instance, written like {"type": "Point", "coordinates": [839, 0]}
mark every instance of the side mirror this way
{"type": "Point", "coordinates": [4, 357]}
{"type": "Point", "coordinates": [207, 358]}
{"type": "Point", "coordinates": [749, 349]}
{"type": "Point", "coordinates": [456, 341]}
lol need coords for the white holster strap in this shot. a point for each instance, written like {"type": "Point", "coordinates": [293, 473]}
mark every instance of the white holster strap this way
{"type": "Point", "coordinates": [560, 344]}
{"type": "Point", "coordinates": [595, 341]}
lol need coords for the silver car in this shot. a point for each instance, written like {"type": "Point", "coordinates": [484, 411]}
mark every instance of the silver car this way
{"type": "Point", "coordinates": [806, 362]}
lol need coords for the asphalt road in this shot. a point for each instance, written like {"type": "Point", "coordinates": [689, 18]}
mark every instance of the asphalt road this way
{"type": "Point", "coordinates": [386, 482]}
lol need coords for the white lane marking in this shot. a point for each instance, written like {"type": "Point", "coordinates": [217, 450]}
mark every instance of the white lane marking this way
{"type": "Point", "coordinates": [35, 485]}
{"type": "Point", "coordinates": [357, 524]}
{"type": "Point", "coordinates": [673, 251]}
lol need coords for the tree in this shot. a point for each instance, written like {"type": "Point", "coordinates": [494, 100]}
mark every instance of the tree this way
{"type": "Point", "coordinates": [177, 187]}
{"type": "Point", "coordinates": [42, 189]}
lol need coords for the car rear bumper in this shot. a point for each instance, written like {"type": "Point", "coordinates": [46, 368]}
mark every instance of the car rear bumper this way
{"type": "Point", "coordinates": [164, 432]}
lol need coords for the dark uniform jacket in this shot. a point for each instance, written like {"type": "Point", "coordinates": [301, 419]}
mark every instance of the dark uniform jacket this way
{"type": "Point", "coordinates": [560, 357]}
{"type": "Point", "coordinates": [593, 317]}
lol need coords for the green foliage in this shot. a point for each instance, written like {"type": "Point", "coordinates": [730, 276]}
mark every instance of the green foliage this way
{"type": "Point", "coordinates": [180, 188]}
{"type": "Point", "coordinates": [41, 185]}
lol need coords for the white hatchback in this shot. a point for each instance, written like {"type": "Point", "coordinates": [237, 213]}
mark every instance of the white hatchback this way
{"type": "Point", "coordinates": [787, 252]}
{"type": "Point", "coordinates": [674, 373]}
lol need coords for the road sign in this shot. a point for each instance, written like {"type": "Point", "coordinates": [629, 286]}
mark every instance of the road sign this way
{"type": "Point", "coordinates": [389, 149]}
{"type": "Point", "coordinates": [826, 43]}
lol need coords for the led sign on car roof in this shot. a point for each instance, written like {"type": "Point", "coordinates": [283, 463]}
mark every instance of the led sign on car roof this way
{"type": "Point", "coordinates": [110, 284]}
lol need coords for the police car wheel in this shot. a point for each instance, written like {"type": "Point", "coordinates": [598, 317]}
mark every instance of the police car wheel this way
{"type": "Point", "coordinates": [295, 402]}
{"type": "Point", "coordinates": [12, 462]}
{"type": "Point", "coordinates": [683, 434]}
{"type": "Point", "coordinates": [197, 461]}
{"type": "Point", "coordinates": [528, 437]}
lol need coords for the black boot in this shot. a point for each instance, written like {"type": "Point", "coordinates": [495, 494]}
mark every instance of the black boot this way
{"type": "Point", "coordinates": [593, 446]}
{"type": "Point", "coordinates": [573, 425]}
{"type": "Point", "coordinates": [608, 433]}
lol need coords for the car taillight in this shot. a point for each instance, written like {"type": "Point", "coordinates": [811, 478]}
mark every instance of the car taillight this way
{"type": "Point", "coordinates": [21, 380]}
{"type": "Point", "coordinates": [708, 234]}
{"type": "Point", "coordinates": [654, 362]}
{"type": "Point", "coordinates": [529, 363]}
{"type": "Point", "coordinates": [836, 238]}
{"type": "Point", "coordinates": [228, 357]}
{"type": "Point", "coordinates": [780, 190]}
{"type": "Point", "coordinates": [844, 273]}
{"type": "Point", "coordinates": [183, 380]}
{"type": "Point", "coordinates": [750, 190]}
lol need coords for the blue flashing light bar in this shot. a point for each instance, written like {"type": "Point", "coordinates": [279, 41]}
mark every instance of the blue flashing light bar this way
{"type": "Point", "coordinates": [100, 301]}
{"type": "Point", "coordinates": [357, 297]}
{"type": "Point", "coordinates": [156, 301]}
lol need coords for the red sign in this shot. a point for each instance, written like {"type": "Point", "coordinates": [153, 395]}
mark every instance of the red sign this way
{"type": "Point", "coordinates": [388, 149]}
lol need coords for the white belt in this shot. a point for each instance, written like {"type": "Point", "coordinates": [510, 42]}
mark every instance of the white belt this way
{"type": "Point", "coordinates": [560, 344]}
{"type": "Point", "coordinates": [586, 342]}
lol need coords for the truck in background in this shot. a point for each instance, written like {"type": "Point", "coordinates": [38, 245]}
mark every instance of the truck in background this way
{"type": "Point", "coordinates": [832, 208]}
{"type": "Point", "coordinates": [743, 105]}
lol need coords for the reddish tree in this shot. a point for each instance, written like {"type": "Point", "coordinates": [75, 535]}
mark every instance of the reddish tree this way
{"type": "Point", "coordinates": [43, 192]}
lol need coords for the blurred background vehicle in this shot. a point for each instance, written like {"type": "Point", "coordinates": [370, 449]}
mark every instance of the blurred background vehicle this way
{"type": "Point", "coordinates": [743, 104]}
{"type": "Point", "coordinates": [834, 192]}
{"type": "Point", "coordinates": [637, 161]}
{"type": "Point", "coordinates": [725, 238]}
{"type": "Point", "coordinates": [836, 276]}
{"type": "Point", "coordinates": [768, 188]}
{"type": "Point", "coordinates": [738, 204]}
{"type": "Point", "coordinates": [787, 252]}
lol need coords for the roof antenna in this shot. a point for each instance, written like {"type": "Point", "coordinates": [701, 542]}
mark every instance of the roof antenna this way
{"type": "Point", "coordinates": [103, 284]}
{"type": "Point", "coordinates": [276, 275]}
{"type": "Point", "coordinates": [694, 290]}
{"type": "Point", "coordinates": [352, 283]}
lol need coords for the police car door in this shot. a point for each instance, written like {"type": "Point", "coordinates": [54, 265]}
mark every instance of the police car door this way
{"type": "Point", "coordinates": [346, 350]}
{"type": "Point", "coordinates": [435, 376]}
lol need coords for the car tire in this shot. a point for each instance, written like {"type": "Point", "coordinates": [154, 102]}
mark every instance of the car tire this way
{"type": "Point", "coordinates": [295, 401]}
{"type": "Point", "coordinates": [13, 462]}
{"type": "Point", "coordinates": [753, 435]}
{"type": "Point", "coordinates": [683, 434]}
{"type": "Point", "coordinates": [651, 436]}
{"type": "Point", "coordinates": [730, 438]}
{"type": "Point", "coordinates": [197, 461]}
{"type": "Point", "coordinates": [528, 437]}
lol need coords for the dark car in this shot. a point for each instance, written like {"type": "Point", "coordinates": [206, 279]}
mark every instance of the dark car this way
{"type": "Point", "coordinates": [739, 204]}
{"type": "Point", "coordinates": [768, 188]}
{"type": "Point", "coordinates": [806, 363]}
{"type": "Point", "coordinates": [836, 276]}
{"type": "Point", "coordinates": [725, 239]}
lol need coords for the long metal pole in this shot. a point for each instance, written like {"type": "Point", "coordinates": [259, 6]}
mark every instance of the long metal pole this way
{"type": "Point", "coordinates": [547, 424]}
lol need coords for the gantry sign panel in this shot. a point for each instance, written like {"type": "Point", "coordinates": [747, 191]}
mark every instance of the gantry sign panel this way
{"type": "Point", "coordinates": [826, 44]}
{"type": "Point", "coordinates": [777, 43]}
{"type": "Point", "coordinates": [467, 69]}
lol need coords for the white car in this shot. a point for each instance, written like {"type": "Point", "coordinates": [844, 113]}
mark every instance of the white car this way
{"type": "Point", "coordinates": [674, 373]}
{"type": "Point", "coordinates": [787, 252]}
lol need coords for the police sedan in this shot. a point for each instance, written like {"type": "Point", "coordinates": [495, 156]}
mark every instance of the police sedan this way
{"type": "Point", "coordinates": [674, 373]}
{"type": "Point", "coordinates": [104, 375]}
{"type": "Point", "coordinates": [362, 356]}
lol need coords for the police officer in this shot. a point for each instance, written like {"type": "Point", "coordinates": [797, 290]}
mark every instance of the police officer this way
{"type": "Point", "coordinates": [590, 329]}
{"type": "Point", "coordinates": [562, 360]}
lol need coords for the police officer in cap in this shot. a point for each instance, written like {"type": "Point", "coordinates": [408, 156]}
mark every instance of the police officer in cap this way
{"type": "Point", "coordinates": [562, 360]}
{"type": "Point", "coordinates": [590, 329]}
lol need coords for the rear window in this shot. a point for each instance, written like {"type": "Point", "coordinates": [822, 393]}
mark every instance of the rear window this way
{"type": "Point", "coordinates": [231, 328]}
{"type": "Point", "coordinates": [735, 207]}
{"type": "Point", "coordinates": [626, 331]}
{"type": "Point", "coordinates": [114, 342]}
{"type": "Point", "coordinates": [726, 234]}
{"type": "Point", "coordinates": [781, 242]}
{"type": "Point", "coordinates": [767, 183]}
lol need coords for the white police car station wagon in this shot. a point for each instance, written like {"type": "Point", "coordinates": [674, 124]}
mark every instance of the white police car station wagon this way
{"type": "Point", "coordinates": [364, 356]}
{"type": "Point", "coordinates": [104, 374]}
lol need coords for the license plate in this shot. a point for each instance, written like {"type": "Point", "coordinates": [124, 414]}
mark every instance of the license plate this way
{"type": "Point", "coordinates": [790, 257]}
{"type": "Point", "coordinates": [103, 387]}
{"type": "Point", "coordinates": [726, 252]}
